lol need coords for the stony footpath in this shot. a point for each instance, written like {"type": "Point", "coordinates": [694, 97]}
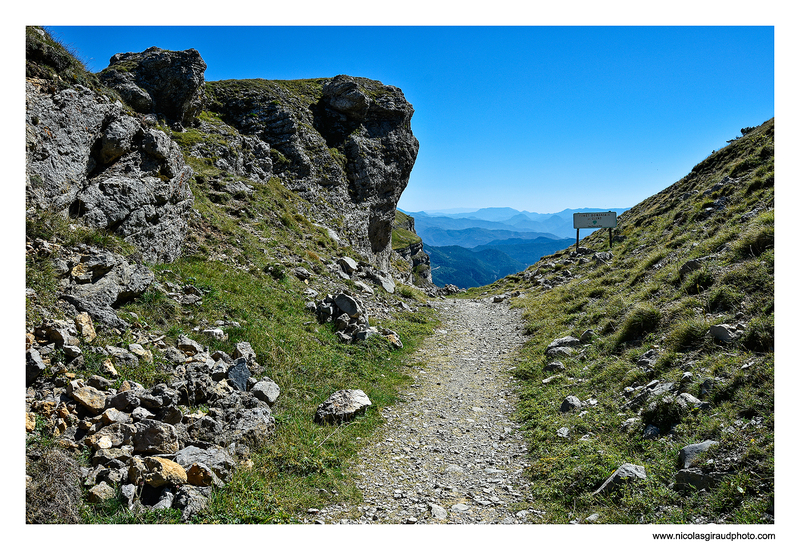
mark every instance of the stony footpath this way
{"type": "Point", "coordinates": [450, 451]}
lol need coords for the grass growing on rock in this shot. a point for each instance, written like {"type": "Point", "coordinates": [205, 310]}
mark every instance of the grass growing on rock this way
{"type": "Point", "coordinates": [642, 302]}
{"type": "Point", "coordinates": [240, 254]}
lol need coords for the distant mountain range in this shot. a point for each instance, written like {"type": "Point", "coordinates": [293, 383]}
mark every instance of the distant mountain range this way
{"type": "Point", "coordinates": [476, 247]}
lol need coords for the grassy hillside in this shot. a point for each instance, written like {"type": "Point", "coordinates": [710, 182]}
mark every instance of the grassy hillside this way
{"type": "Point", "coordinates": [696, 255]}
{"type": "Point", "coordinates": [403, 235]}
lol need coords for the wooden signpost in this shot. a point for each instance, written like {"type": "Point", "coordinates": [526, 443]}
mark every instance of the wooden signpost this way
{"type": "Point", "coordinates": [593, 220]}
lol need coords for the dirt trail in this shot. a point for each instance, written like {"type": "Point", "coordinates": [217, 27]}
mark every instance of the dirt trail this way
{"type": "Point", "coordinates": [449, 451]}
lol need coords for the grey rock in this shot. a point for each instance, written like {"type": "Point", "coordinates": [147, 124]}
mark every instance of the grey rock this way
{"type": "Point", "coordinates": [693, 478]}
{"type": "Point", "coordinates": [689, 454]}
{"type": "Point", "coordinates": [154, 437]}
{"type": "Point", "coordinates": [86, 158]}
{"type": "Point", "coordinates": [140, 413]}
{"type": "Point", "coordinates": [238, 374]}
{"type": "Point", "coordinates": [99, 382]}
{"type": "Point", "coordinates": [438, 512]}
{"type": "Point", "coordinates": [122, 356]}
{"type": "Point", "coordinates": [61, 333]}
{"type": "Point", "coordinates": [565, 342]}
{"type": "Point", "coordinates": [252, 427]}
{"type": "Point", "coordinates": [587, 336]}
{"type": "Point", "coordinates": [350, 152]}
{"type": "Point", "coordinates": [688, 402]}
{"type": "Point", "coordinates": [562, 432]}
{"type": "Point", "coordinates": [121, 284]}
{"type": "Point", "coordinates": [123, 401]}
{"type": "Point", "coordinates": [662, 388]}
{"type": "Point", "coordinates": [560, 351]}
{"type": "Point", "coordinates": [554, 366]}
{"type": "Point", "coordinates": [34, 367]}
{"type": "Point", "coordinates": [217, 458]}
{"type": "Point", "coordinates": [174, 355]}
{"type": "Point", "coordinates": [626, 473]}
{"type": "Point", "coordinates": [245, 350]}
{"type": "Point", "coordinates": [651, 432]}
{"type": "Point", "coordinates": [190, 500]}
{"type": "Point", "coordinates": [105, 456]}
{"type": "Point", "coordinates": [570, 403]}
{"type": "Point", "coordinates": [266, 390]}
{"type": "Point", "coordinates": [629, 423]}
{"type": "Point", "coordinates": [165, 499]}
{"type": "Point", "coordinates": [219, 371]}
{"type": "Point", "coordinates": [342, 406]}
{"type": "Point", "coordinates": [302, 273]}
{"type": "Point", "coordinates": [724, 333]}
{"type": "Point", "coordinates": [349, 265]}
{"type": "Point", "coordinates": [602, 256]}
{"type": "Point", "coordinates": [189, 346]}
{"type": "Point", "coordinates": [128, 495]}
{"type": "Point", "coordinates": [349, 305]}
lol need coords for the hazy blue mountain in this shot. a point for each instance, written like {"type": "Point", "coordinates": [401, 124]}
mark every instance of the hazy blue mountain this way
{"type": "Point", "coordinates": [558, 224]}
{"type": "Point", "coordinates": [477, 247]}
{"type": "Point", "coordinates": [466, 268]}
{"type": "Point", "coordinates": [474, 236]}
{"type": "Point", "coordinates": [527, 251]}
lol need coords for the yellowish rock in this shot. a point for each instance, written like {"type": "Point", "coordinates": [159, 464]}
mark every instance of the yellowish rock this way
{"type": "Point", "coordinates": [85, 326]}
{"type": "Point", "coordinates": [30, 421]}
{"type": "Point", "coordinates": [103, 442]}
{"type": "Point", "coordinates": [108, 368]}
{"type": "Point", "coordinates": [162, 471]}
{"type": "Point", "coordinates": [91, 398]}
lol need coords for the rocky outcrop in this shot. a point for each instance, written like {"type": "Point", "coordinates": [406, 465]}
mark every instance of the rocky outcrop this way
{"type": "Point", "coordinates": [162, 82]}
{"type": "Point", "coordinates": [344, 144]}
{"type": "Point", "coordinates": [89, 159]}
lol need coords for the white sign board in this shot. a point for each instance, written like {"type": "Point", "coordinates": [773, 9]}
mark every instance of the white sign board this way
{"type": "Point", "coordinates": [593, 220]}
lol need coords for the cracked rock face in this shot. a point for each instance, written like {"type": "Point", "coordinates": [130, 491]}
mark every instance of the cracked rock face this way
{"type": "Point", "coordinates": [89, 159]}
{"type": "Point", "coordinates": [344, 144]}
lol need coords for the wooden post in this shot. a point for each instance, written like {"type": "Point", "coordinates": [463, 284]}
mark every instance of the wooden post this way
{"type": "Point", "coordinates": [577, 238]}
{"type": "Point", "coordinates": [609, 238]}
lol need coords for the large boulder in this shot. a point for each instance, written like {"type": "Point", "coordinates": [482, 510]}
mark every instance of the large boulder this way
{"type": "Point", "coordinates": [159, 81]}
{"type": "Point", "coordinates": [113, 281]}
{"type": "Point", "coordinates": [342, 406]}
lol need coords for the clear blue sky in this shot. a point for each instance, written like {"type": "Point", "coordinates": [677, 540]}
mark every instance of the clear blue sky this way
{"type": "Point", "coordinates": [536, 118]}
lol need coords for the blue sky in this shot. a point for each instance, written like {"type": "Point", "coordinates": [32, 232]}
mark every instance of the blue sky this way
{"type": "Point", "coordinates": [537, 118]}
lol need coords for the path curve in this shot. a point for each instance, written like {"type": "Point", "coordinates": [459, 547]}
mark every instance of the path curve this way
{"type": "Point", "coordinates": [449, 451]}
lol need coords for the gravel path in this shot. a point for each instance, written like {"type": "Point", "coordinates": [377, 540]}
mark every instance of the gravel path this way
{"type": "Point", "coordinates": [449, 451]}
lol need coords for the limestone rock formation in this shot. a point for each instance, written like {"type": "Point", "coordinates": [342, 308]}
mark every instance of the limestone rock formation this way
{"type": "Point", "coordinates": [344, 144]}
{"type": "Point", "coordinates": [159, 81]}
{"type": "Point", "coordinates": [88, 158]}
